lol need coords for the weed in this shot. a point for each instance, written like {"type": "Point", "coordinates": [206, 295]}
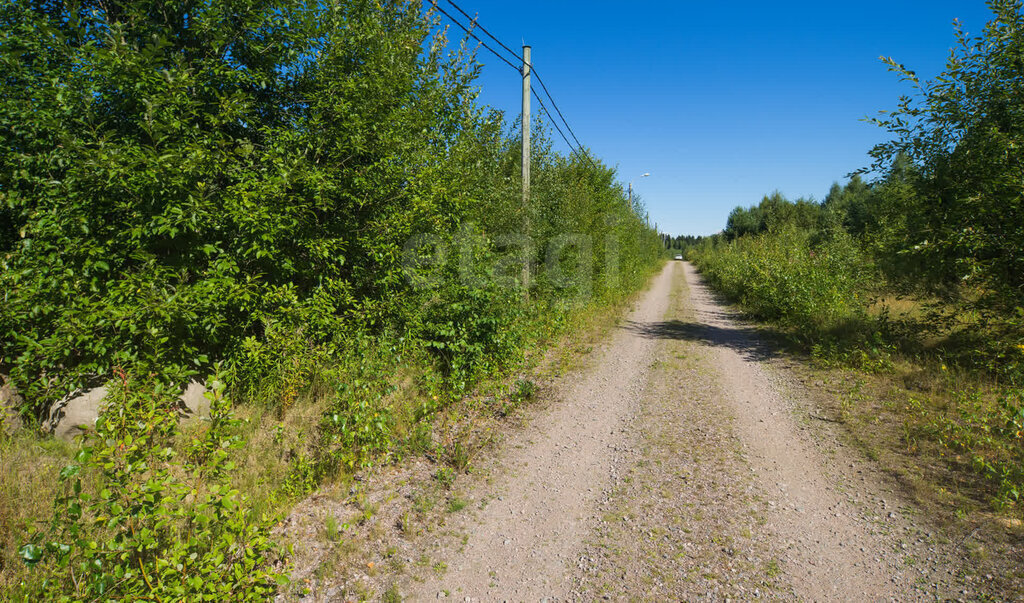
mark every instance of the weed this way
{"type": "Point", "coordinates": [524, 390]}
{"type": "Point", "coordinates": [406, 524]}
{"type": "Point", "coordinates": [367, 507]}
{"type": "Point", "coordinates": [445, 476]}
{"type": "Point", "coordinates": [332, 528]}
{"type": "Point", "coordinates": [423, 502]}
{"type": "Point", "coordinates": [458, 457]}
{"type": "Point", "coordinates": [457, 504]}
{"type": "Point", "coordinates": [392, 595]}
{"type": "Point", "coordinates": [396, 565]}
{"type": "Point", "coordinates": [420, 441]}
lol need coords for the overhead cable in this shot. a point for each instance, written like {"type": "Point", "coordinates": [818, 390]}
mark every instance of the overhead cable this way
{"type": "Point", "coordinates": [473, 25]}
{"type": "Point", "coordinates": [555, 105]}
{"type": "Point", "coordinates": [483, 29]}
{"type": "Point", "coordinates": [474, 36]}
{"type": "Point", "coordinates": [579, 153]}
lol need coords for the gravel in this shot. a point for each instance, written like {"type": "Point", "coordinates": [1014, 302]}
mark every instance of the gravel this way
{"type": "Point", "coordinates": [683, 462]}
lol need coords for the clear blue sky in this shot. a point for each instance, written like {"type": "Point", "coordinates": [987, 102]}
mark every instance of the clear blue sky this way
{"type": "Point", "coordinates": [721, 102]}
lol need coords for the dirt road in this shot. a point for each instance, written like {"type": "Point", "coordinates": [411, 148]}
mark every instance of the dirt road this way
{"type": "Point", "coordinates": [683, 463]}
{"type": "Point", "coordinates": [544, 500]}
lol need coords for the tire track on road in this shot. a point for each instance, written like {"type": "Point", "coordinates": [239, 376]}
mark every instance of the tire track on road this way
{"type": "Point", "coordinates": [522, 544]}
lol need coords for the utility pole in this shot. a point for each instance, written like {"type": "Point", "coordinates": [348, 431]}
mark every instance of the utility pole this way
{"type": "Point", "coordinates": [644, 175]}
{"type": "Point", "coordinates": [526, 170]}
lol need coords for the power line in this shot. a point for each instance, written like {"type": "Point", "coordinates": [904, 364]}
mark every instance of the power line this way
{"type": "Point", "coordinates": [472, 35]}
{"type": "Point", "coordinates": [533, 71]}
{"type": "Point", "coordinates": [555, 105]}
{"type": "Point", "coordinates": [474, 24]}
{"type": "Point", "coordinates": [579, 153]}
{"type": "Point", "coordinates": [483, 29]}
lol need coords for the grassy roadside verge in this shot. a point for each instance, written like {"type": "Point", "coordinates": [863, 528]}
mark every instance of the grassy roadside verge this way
{"type": "Point", "coordinates": [969, 416]}
{"type": "Point", "coordinates": [949, 433]}
{"type": "Point", "coordinates": [283, 445]}
{"type": "Point", "coordinates": [357, 537]}
{"type": "Point", "coordinates": [883, 416]}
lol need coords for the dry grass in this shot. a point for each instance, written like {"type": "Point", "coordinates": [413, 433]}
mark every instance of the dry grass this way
{"type": "Point", "coordinates": [896, 306]}
{"type": "Point", "coordinates": [29, 465]}
{"type": "Point", "coordinates": [889, 416]}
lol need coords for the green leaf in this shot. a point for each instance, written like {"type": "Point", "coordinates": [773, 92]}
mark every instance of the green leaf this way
{"type": "Point", "coordinates": [30, 553]}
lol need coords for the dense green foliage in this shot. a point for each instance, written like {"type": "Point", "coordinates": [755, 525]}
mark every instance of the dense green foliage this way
{"type": "Point", "coordinates": [963, 135]}
{"type": "Point", "coordinates": [307, 193]}
{"type": "Point", "coordinates": [940, 231]}
{"type": "Point", "coordinates": [165, 523]}
{"type": "Point", "coordinates": [788, 278]}
{"type": "Point", "coordinates": [181, 179]}
{"type": "Point", "coordinates": [772, 214]}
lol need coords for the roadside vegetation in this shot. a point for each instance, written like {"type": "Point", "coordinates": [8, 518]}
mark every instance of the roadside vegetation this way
{"type": "Point", "coordinates": [301, 205]}
{"type": "Point", "coordinates": [917, 274]}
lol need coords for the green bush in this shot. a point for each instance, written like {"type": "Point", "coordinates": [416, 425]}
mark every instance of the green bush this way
{"type": "Point", "coordinates": [184, 188]}
{"type": "Point", "coordinates": [145, 515]}
{"type": "Point", "coordinates": [784, 277]}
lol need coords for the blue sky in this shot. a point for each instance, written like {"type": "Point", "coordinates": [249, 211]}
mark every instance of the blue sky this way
{"type": "Point", "coordinates": [721, 102]}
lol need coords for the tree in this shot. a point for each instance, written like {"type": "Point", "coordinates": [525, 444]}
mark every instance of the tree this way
{"type": "Point", "coordinates": [849, 205]}
{"type": "Point", "coordinates": [964, 131]}
{"type": "Point", "coordinates": [744, 221]}
{"type": "Point", "coordinates": [181, 176]}
{"type": "Point", "coordinates": [772, 214]}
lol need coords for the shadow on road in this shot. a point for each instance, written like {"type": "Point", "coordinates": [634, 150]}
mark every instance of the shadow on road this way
{"type": "Point", "coordinates": [744, 340]}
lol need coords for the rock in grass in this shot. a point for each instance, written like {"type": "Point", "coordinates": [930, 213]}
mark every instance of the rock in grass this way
{"type": "Point", "coordinates": [194, 403]}
{"type": "Point", "coordinates": [10, 400]}
{"type": "Point", "coordinates": [76, 413]}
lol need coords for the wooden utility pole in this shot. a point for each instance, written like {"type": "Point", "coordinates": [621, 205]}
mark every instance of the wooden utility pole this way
{"type": "Point", "coordinates": [526, 170]}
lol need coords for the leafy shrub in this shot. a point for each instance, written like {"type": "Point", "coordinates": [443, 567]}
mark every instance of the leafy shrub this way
{"type": "Point", "coordinates": [256, 188]}
{"type": "Point", "coordinates": [161, 521]}
{"type": "Point", "coordinates": [472, 323]}
{"type": "Point", "coordinates": [784, 277]}
{"type": "Point", "coordinates": [989, 433]}
{"type": "Point", "coordinates": [252, 176]}
{"type": "Point", "coordinates": [274, 370]}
